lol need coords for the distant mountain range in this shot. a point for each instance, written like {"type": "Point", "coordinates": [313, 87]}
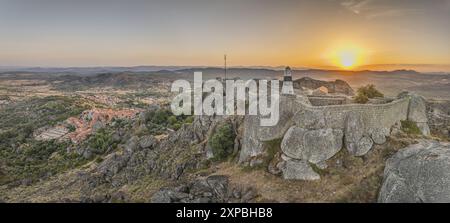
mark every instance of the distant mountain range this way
{"type": "Point", "coordinates": [430, 85]}
{"type": "Point", "coordinates": [424, 68]}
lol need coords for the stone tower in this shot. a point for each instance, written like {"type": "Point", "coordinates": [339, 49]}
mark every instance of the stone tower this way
{"type": "Point", "coordinates": [288, 88]}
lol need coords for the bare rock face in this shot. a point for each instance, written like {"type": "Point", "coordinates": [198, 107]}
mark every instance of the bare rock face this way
{"type": "Point", "coordinates": [293, 169]}
{"type": "Point", "coordinates": [417, 109]}
{"type": "Point", "coordinates": [251, 143]}
{"type": "Point", "coordinates": [438, 114]}
{"type": "Point", "coordinates": [417, 112]}
{"type": "Point", "coordinates": [379, 135]}
{"type": "Point", "coordinates": [212, 189]}
{"type": "Point", "coordinates": [132, 144]}
{"type": "Point", "coordinates": [355, 141]}
{"type": "Point", "coordinates": [353, 128]}
{"type": "Point", "coordinates": [364, 145]}
{"type": "Point", "coordinates": [254, 134]}
{"type": "Point", "coordinates": [418, 173]}
{"type": "Point", "coordinates": [424, 128]}
{"type": "Point", "coordinates": [147, 141]}
{"type": "Point", "coordinates": [292, 143]}
{"type": "Point", "coordinates": [314, 146]}
{"type": "Point", "coordinates": [338, 86]}
{"type": "Point", "coordinates": [309, 119]}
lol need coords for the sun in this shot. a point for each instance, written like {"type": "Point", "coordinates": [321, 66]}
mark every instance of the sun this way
{"type": "Point", "coordinates": [347, 57]}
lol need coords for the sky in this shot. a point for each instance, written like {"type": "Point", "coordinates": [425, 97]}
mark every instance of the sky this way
{"type": "Point", "coordinates": [315, 33]}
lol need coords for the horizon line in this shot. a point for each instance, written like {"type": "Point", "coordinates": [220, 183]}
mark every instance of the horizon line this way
{"type": "Point", "coordinates": [216, 66]}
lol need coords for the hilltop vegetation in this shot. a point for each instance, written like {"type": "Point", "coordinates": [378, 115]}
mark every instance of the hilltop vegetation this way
{"type": "Point", "coordinates": [24, 159]}
{"type": "Point", "coordinates": [154, 154]}
{"type": "Point", "coordinates": [367, 92]}
{"type": "Point", "coordinates": [222, 141]}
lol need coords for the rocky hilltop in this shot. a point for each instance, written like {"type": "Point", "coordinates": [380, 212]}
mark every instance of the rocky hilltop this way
{"type": "Point", "coordinates": [337, 86]}
{"type": "Point", "coordinates": [418, 173]}
{"type": "Point", "coordinates": [343, 152]}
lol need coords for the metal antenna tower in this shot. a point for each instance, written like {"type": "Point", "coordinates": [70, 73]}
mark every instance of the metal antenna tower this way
{"type": "Point", "coordinates": [225, 65]}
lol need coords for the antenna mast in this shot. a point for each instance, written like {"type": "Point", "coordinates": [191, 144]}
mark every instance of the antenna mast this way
{"type": "Point", "coordinates": [225, 65]}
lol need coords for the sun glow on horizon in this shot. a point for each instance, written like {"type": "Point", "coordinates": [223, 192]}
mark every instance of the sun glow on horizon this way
{"type": "Point", "coordinates": [347, 56]}
{"type": "Point", "coordinates": [347, 59]}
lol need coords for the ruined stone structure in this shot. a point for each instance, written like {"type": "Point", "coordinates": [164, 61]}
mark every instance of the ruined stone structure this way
{"type": "Point", "coordinates": [313, 134]}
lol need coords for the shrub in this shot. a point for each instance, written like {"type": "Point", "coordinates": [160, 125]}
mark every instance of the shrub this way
{"type": "Point", "coordinates": [222, 142]}
{"type": "Point", "coordinates": [159, 116]}
{"type": "Point", "coordinates": [155, 129]}
{"type": "Point", "coordinates": [370, 91]}
{"type": "Point", "coordinates": [158, 120]}
{"type": "Point", "coordinates": [101, 141]}
{"type": "Point", "coordinates": [172, 120]}
{"type": "Point", "coordinates": [361, 99]}
{"type": "Point", "coordinates": [271, 149]}
{"type": "Point", "coordinates": [189, 119]}
{"type": "Point", "coordinates": [98, 159]}
{"type": "Point", "coordinates": [410, 127]}
{"type": "Point", "coordinates": [176, 126]}
{"type": "Point", "coordinates": [365, 92]}
{"type": "Point", "coordinates": [71, 128]}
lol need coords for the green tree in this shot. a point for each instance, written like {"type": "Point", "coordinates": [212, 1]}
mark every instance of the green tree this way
{"type": "Point", "coordinates": [222, 142]}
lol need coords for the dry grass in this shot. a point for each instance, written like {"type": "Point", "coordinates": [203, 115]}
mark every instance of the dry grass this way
{"type": "Point", "coordinates": [347, 178]}
{"type": "Point", "coordinates": [60, 186]}
{"type": "Point", "coordinates": [66, 187]}
{"type": "Point", "coordinates": [22, 89]}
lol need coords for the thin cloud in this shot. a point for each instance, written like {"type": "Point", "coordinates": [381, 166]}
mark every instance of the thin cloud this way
{"type": "Point", "coordinates": [378, 8]}
{"type": "Point", "coordinates": [392, 13]}
{"type": "Point", "coordinates": [356, 6]}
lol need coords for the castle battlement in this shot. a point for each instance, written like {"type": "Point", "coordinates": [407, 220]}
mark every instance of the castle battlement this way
{"type": "Point", "coordinates": [313, 134]}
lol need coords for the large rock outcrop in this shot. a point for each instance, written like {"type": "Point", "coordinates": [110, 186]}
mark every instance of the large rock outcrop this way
{"type": "Point", "coordinates": [212, 189]}
{"type": "Point", "coordinates": [337, 86]}
{"type": "Point", "coordinates": [438, 114]}
{"type": "Point", "coordinates": [169, 158]}
{"type": "Point", "coordinates": [293, 169]}
{"type": "Point", "coordinates": [417, 111]}
{"type": "Point", "coordinates": [355, 141]}
{"type": "Point", "coordinates": [314, 146]}
{"type": "Point", "coordinates": [418, 173]}
{"type": "Point", "coordinates": [254, 134]}
{"type": "Point", "coordinates": [313, 134]}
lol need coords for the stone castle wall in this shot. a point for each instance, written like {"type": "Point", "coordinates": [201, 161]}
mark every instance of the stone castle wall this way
{"type": "Point", "coordinates": [297, 111]}
{"type": "Point", "coordinates": [314, 134]}
{"type": "Point", "coordinates": [325, 101]}
{"type": "Point", "coordinates": [374, 115]}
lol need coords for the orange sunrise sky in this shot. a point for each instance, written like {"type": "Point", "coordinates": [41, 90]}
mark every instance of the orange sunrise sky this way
{"type": "Point", "coordinates": [325, 33]}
